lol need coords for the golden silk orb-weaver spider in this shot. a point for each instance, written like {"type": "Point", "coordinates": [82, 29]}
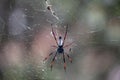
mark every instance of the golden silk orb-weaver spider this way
{"type": "Point", "coordinates": [60, 49]}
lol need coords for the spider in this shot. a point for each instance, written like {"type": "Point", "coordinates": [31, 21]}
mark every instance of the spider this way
{"type": "Point", "coordinates": [60, 49]}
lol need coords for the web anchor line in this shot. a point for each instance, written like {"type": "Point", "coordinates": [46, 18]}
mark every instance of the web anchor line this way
{"type": "Point", "coordinates": [49, 8]}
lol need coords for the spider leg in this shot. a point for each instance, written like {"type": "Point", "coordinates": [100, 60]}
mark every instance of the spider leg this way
{"type": "Point", "coordinates": [48, 56]}
{"type": "Point", "coordinates": [64, 61]}
{"type": "Point", "coordinates": [69, 57]}
{"type": "Point", "coordinates": [54, 36]}
{"type": "Point", "coordinates": [65, 34]}
{"type": "Point", "coordinates": [68, 45]}
{"type": "Point", "coordinates": [54, 46]}
{"type": "Point", "coordinates": [52, 62]}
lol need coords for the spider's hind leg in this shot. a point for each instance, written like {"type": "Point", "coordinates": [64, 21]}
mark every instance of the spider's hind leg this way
{"type": "Point", "coordinates": [52, 62]}
{"type": "Point", "coordinates": [48, 56]}
{"type": "Point", "coordinates": [64, 61]}
{"type": "Point", "coordinates": [69, 58]}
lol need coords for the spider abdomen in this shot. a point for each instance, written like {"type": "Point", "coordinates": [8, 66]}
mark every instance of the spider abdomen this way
{"type": "Point", "coordinates": [60, 49]}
